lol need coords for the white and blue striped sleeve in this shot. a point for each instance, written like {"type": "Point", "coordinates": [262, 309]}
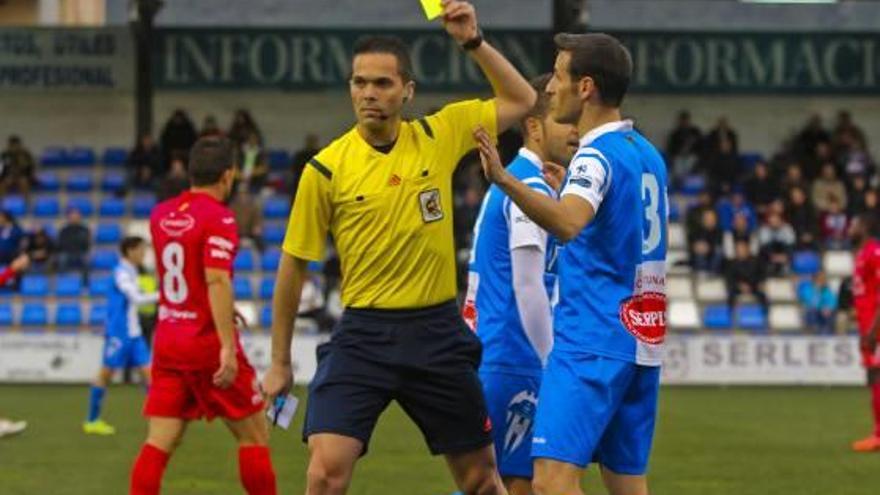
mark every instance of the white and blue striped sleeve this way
{"type": "Point", "coordinates": [589, 177]}
{"type": "Point", "coordinates": [522, 230]}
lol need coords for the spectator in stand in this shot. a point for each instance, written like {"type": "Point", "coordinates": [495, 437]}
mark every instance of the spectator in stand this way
{"type": "Point", "coordinates": [705, 244]}
{"type": "Point", "coordinates": [761, 189]}
{"type": "Point", "coordinates": [74, 242]}
{"type": "Point", "coordinates": [253, 164]}
{"type": "Point", "coordinates": [694, 216]}
{"type": "Point", "coordinates": [210, 127]}
{"type": "Point", "coordinates": [145, 164]}
{"type": "Point", "coordinates": [243, 125]}
{"type": "Point", "coordinates": [11, 238]}
{"type": "Point", "coordinates": [17, 168]}
{"type": "Point", "coordinates": [741, 232]}
{"type": "Point", "coordinates": [794, 177]}
{"type": "Point", "coordinates": [722, 167]}
{"type": "Point", "coordinates": [248, 216]}
{"type": "Point", "coordinates": [310, 148]}
{"type": "Point", "coordinates": [854, 156]}
{"type": "Point", "coordinates": [802, 216]}
{"type": "Point", "coordinates": [819, 303]}
{"type": "Point", "coordinates": [745, 276]}
{"type": "Point", "coordinates": [813, 164]}
{"type": "Point", "coordinates": [176, 182]}
{"type": "Point", "coordinates": [736, 205]}
{"type": "Point", "coordinates": [872, 201]}
{"type": "Point", "coordinates": [722, 131]}
{"type": "Point", "coordinates": [858, 187]}
{"type": "Point", "coordinates": [810, 136]}
{"type": "Point", "coordinates": [834, 225]}
{"type": "Point", "coordinates": [828, 186]}
{"type": "Point", "coordinates": [777, 241]}
{"type": "Point", "coordinates": [683, 146]}
{"type": "Point", "coordinates": [843, 321]}
{"type": "Point", "coordinates": [41, 250]}
{"type": "Point", "coordinates": [178, 136]}
{"type": "Point", "coordinates": [845, 125]}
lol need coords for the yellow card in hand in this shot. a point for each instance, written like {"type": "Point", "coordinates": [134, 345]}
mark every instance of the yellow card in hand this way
{"type": "Point", "coordinates": [433, 8]}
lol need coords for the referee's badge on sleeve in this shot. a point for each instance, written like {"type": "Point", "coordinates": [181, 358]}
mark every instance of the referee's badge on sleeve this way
{"type": "Point", "coordinates": [432, 208]}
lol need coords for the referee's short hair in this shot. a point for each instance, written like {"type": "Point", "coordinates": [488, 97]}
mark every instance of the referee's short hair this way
{"type": "Point", "coordinates": [542, 102]}
{"type": "Point", "coordinates": [391, 45]}
{"type": "Point", "coordinates": [209, 159]}
{"type": "Point", "coordinates": [602, 58]}
{"type": "Point", "coordinates": [129, 243]}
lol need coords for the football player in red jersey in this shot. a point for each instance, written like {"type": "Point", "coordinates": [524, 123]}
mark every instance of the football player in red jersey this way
{"type": "Point", "coordinates": [199, 369]}
{"type": "Point", "coordinates": [866, 299]}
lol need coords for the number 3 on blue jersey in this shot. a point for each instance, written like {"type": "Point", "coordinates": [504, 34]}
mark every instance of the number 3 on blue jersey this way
{"type": "Point", "coordinates": [653, 201]}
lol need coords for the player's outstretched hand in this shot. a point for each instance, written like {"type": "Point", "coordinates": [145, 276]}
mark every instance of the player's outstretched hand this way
{"type": "Point", "coordinates": [20, 264]}
{"type": "Point", "coordinates": [492, 167]}
{"type": "Point", "coordinates": [460, 20]}
{"type": "Point", "coordinates": [225, 375]}
{"type": "Point", "coordinates": [278, 380]}
{"type": "Point", "coordinates": [554, 174]}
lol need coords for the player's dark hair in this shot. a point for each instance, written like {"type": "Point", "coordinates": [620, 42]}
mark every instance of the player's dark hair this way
{"type": "Point", "coordinates": [130, 243]}
{"type": "Point", "coordinates": [391, 45]}
{"type": "Point", "coordinates": [209, 159]}
{"type": "Point", "coordinates": [542, 102]}
{"type": "Point", "coordinates": [603, 59]}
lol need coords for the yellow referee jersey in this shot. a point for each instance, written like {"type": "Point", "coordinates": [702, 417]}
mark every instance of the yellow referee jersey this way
{"type": "Point", "coordinates": [390, 215]}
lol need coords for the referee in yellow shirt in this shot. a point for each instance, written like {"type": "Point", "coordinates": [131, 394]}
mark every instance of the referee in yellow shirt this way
{"type": "Point", "coordinates": [383, 192]}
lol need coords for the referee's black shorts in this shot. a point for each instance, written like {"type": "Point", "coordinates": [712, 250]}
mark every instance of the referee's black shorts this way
{"type": "Point", "coordinates": [425, 359]}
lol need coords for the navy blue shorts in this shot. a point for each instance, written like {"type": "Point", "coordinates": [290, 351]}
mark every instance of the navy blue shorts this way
{"type": "Point", "coordinates": [425, 359]}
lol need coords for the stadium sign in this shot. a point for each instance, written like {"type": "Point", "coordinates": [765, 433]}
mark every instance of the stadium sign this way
{"type": "Point", "coordinates": [66, 60]}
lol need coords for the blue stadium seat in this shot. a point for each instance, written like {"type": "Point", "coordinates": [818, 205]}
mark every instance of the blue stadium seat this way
{"type": "Point", "coordinates": [35, 285]}
{"type": "Point", "coordinates": [751, 317]}
{"type": "Point", "coordinates": [104, 259]}
{"type": "Point", "coordinates": [806, 263]}
{"type": "Point", "coordinates": [750, 159]}
{"type": "Point", "coordinates": [693, 185]}
{"type": "Point", "coordinates": [97, 315]}
{"type": "Point", "coordinates": [271, 259]}
{"type": "Point", "coordinates": [717, 317]}
{"type": "Point", "coordinates": [6, 319]}
{"type": "Point", "coordinates": [141, 206]}
{"type": "Point", "coordinates": [81, 203]}
{"type": "Point", "coordinates": [47, 207]}
{"type": "Point", "coordinates": [80, 156]}
{"type": "Point", "coordinates": [112, 207]}
{"type": "Point", "coordinates": [53, 156]}
{"type": "Point", "coordinates": [279, 159]}
{"type": "Point", "coordinates": [34, 314]}
{"type": "Point", "coordinates": [267, 285]}
{"type": "Point", "coordinates": [48, 181]}
{"type": "Point", "coordinates": [14, 204]}
{"type": "Point", "coordinates": [266, 316]}
{"type": "Point", "coordinates": [674, 211]}
{"type": "Point", "coordinates": [80, 182]}
{"type": "Point", "coordinates": [68, 285]}
{"type": "Point", "coordinates": [244, 261]}
{"type": "Point", "coordinates": [99, 285]}
{"type": "Point", "coordinates": [276, 207]}
{"type": "Point", "coordinates": [68, 315]}
{"type": "Point", "coordinates": [114, 157]}
{"type": "Point", "coordinates": [274, 232]}
{"type": "Point", "coordinates": [108, 233]}
{"type": "Point", "coordinates": [243, 288]}
{"type": "Point", "coordinates": [113, 182]}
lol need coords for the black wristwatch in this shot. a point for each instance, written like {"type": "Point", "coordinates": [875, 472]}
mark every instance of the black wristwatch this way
{"type": "Point", "coordinates": [473, 43]}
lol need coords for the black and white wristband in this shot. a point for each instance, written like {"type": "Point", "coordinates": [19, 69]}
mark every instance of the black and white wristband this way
{"type": "Point", "coordinates": [473, 43]}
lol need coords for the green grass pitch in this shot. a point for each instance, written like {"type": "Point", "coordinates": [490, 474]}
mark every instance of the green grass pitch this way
{"type": "Point", "coordinates": [710, 441]}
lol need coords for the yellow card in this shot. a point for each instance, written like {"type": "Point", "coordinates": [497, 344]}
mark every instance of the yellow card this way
{"type": "Point", "coordinates": [433, 9]}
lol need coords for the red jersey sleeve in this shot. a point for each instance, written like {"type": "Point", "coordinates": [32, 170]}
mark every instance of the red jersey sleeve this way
{"type": "Point", "coordinates": [221, 243]}
{"type": "Point", "coordinates": [6, 275]}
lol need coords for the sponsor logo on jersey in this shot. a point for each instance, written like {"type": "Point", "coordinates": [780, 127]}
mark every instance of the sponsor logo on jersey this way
{"type": "Point", "coordinates": [395, 180]}
{"type": "Point", "coordinates": [166, 313]}
{"type": "Point", "coordinates": [644, 316]}
{"type": "Point", "coordinates": [176, 224]}
{"type": "Point", "coordinates": [432, 209]}
{"type": "Point", "coordinates": [221, 243]}
{"type": "Point", "coordinates": [520, 418]}
{"type": "Point", "coordinates": [220, 254]}
{"type": "Point", "coordinates": [228, 220]}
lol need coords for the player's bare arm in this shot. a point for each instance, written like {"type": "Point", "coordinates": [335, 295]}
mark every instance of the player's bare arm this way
{"type": "Point", "coordinates": [285, 303]}
{"type": "Point", "coordinates": [220, 296]}
{"type": "Point", "coordinates": [514, 97]}
{"type": "Point", "coordinates": [564, 218]}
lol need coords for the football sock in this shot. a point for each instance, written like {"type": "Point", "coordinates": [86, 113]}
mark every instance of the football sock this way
{"type": "Point", "coordinates": [146, 476]}
{"type": "Point", "coordinates": [255, 469]}
{"type": "Point", "coordinates": [96, 399]}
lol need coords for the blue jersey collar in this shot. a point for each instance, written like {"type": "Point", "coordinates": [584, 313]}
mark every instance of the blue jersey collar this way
{"type": "Point", "coordinates": [532, 157]}
{"type": "Point", "coordinates": [617, 126]}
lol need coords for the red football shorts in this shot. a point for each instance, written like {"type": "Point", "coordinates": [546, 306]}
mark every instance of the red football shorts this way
{"type": "Point", "coordinates": [191, 394]}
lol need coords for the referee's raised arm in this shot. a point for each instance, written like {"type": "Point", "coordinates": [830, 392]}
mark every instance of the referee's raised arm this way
{"type": "Point", "coordinates": [514, 97]}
